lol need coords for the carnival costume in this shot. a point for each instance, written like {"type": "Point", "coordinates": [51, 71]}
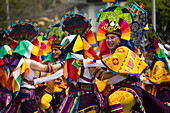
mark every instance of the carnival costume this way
{"type": "Point", "coordinates": [126, 63]}
{"type": "Point", "coordinates": [25, 53]}
{"type": "Point", "coordinates": [159, 70]}
{"type": "Point", "coordinates": [5, 70]}
{"type": "Point", "coordinates": [22, 91]}
{"type": "Point", "coordinates": [54, 85]}
{"type": "Point", "coordinates": [81, 96]}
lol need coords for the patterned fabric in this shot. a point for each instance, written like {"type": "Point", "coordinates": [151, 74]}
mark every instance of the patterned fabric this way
{"type": "Point", "coordinates": [4, 64]}
{"type": "Point", "coordinates": [49, 110]}
{"type": "Point", "coordinates": [98, 73]}
{"type": "Point", "coordinates": [114, 13]}
{"type": "Point", "coordinates": [140, 21]}
{"type": "Point", "coordinates": [117, 108]}
{"type": "Point", "coordinates": [39, 92]}
{"type": "Point", "coordinates": [18, 74]}
{"type": "Point", "coordinates": [26, 48]}
{"type": "Point", "coordinates": [100, 98]}
{"type": "Point", "coordinates": [152, 90]}
{"type": "Point", "coordinates": [83, 86]}
{"type": "Point", "coordinates": [124, 61]}
{"type": "Point", "coordinates": [124, 98]}
{"type": "Point", "coordinates": [69, 105]}
{"type": "Point", "coordinates": [164, 88]}
{"type": "Point", "coordinates": [25, 95]}
{"type": "Point", "coordinates": [12, 108]}
{"type": "Point", "coordinates": [5, 99]}
{"type": "Point", "coordinates": [138, 100]}
{"type": "Point", "coordinates": [76, 24]}
{"type": "Point", "coordinates": [90, 109]}
{"type": "Point", "coordinates": [159, 75]}
{"type": "Point", "coordinates": [77, 102]}
{"type": "Point", "coordinates": [52, 87]}
{"type": "Point", "coordinates": [23, 31]}
{"type": "Point", "coordinates": [136, 9]}
{"type": "Point", "coordinates": [22, 98]}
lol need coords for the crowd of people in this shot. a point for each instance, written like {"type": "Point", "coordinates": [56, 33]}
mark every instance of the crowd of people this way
{"type": "Point", "coordinates": [73, 78]}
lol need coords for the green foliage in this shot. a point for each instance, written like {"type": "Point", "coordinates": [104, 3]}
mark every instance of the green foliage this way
{"type": "Point", "coordinates": [162, 15]}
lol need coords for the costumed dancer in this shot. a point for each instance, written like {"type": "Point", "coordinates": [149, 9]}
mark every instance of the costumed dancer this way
{"type": "Point", "coordinates": [53, 94]}
{"type": "Point", "coordinates": [158, 76]}
{"type": "Point", "coordinates": [151, 88]}
{"type": "Point", "coordinates": [81, 96]}
{"type": "Point", "coordinates": [26, 69]}
{"type": "Point", "coordinates": [122, 61]}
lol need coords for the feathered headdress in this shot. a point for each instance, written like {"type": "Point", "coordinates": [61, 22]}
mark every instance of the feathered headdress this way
{"type": "Point", "coordinates": [121, 29]}
{"type": "Point", "coordinates": [113, 19]}
{"type": "Point", "coordinates": [55, 36]}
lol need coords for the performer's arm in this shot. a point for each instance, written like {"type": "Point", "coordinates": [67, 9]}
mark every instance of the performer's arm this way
{"type": "Point", "coordinates": [44, 68]}
{"type": "Point", "coordinates": [54, 76]}
{"type": "Point", "coordinates": [101, 74]}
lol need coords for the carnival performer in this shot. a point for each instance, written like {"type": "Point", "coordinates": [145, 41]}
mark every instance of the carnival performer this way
{"type": "Point", "coordinates": [124, 62]}
{"type": "Point", "coordinates": [23, 99]}
{"type": "Point", "coordinates": [158, 75]}
{"type": "Point", "coordinates": [27, 70]}
{"type": "Point", "coordinates": [149, 87]}
{"type": "Point", "coordinates": [54, 87]}
{"type": "Point", "coordinates": [53, 93]}
{"type": "Point", "coordinates": [57, 86]}
{"type": "Point", "coordinates": [81, 96]}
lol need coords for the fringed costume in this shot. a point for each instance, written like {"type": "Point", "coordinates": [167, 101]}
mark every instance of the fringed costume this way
{"type": "Point", "coordinates": [159, 72]}
{"type": "Point", "coordinates": [81, 96]}
{"type": "Point", "coordinates": [23, 95]}
{"type": "Point", "coordinates": [5, 69]}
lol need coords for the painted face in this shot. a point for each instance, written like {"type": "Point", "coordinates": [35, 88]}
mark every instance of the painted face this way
{"type": "Point", "coordinates": [112, 41]}
{"type": "Point", "coordinates": [55, 52]}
